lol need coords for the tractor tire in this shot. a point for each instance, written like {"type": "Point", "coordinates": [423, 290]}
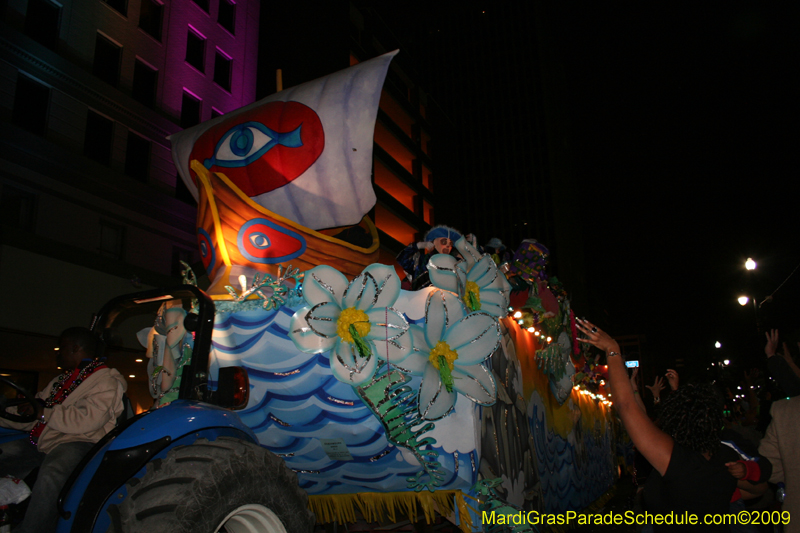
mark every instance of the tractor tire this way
{"type": "Point", "coordinates": [227, 485]}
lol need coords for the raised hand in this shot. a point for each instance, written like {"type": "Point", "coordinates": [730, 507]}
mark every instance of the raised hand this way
{"type": "Point", "coordinates": [673, 379]}
{"type": "Point", "coordinates": [596, 336]}
{"type": "Point", "coordinates": [656, 388]}
{"type": "Point", "coordinates": [772, 342]}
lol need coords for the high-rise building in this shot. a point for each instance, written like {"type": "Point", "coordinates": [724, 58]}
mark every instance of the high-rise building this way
{"type": "Point", "coordinates": [410, 123]}
{"type": "Point", "coordinates": [90, 203]}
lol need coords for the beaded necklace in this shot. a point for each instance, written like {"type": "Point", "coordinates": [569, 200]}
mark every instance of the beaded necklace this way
{"type": "Point", "coordinates": [57, 395]}
{"type": "Point", "coordinates": [69, 380]}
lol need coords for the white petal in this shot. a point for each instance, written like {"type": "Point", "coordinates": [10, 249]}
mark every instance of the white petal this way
{"type": "Point", "coordinates": [441, 268]}
{"type": "Point", "coordinates": [441, 311]}
{"type": "Point", "coordinates": [419, 342]}
{"type": "Point", "coordinates": [389, 332]}
{"type": "Point", "coordinates": [434, 400]}
{"type": "Point", "coordinates": [414, 364]}
{"type": "Point", "coordinates": [468, 252]}
{"type": "Point", "coordinates": [322, 318]}
{"type": "Point", "coordinates": [484, 272]}
{"type": "Point", "coordinates": [474, 338]}
{"type": "Point", "coordinates": [388, 284]}
{"type": "Point", "coordinates": [304, 337]}
{"type": "Point", "coordinates": [377, 286]}
{"type": "Point", "coordinates": [386, 323]}
{"type": "Point", "coordinates": [494, 302]}
{"type": "Point", "coordinates": [476, 383]}
{"type": "Point", "coordinates": [324, 284]}
{"type": "Point", "coordinates": [348, 367]}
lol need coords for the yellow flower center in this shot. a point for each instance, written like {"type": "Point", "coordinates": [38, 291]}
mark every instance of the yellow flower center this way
{"type": "Point", "coordinates": [352, 317]}
{"type": "Point", "coordinates": [472, 296]}
{"type": "Point", "coordinates": [442, 349]}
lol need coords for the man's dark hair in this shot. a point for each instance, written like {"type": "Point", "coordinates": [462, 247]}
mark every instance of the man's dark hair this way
{"type": "Point", "coordinates": [692, 416]}
{"type": "Point", "coordinates": [83, 338]}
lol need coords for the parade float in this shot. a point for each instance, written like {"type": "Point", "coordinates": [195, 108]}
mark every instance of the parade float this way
{"type": "Point", "coordinates": [390, 405]}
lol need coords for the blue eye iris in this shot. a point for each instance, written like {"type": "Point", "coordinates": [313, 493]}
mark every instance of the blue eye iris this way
{"type": "Point", "coordinates": [247, 142]}
{"type": "Point", "coordinates": [259, 240]}
{"type": "Point", "coordinates": [242, 142]}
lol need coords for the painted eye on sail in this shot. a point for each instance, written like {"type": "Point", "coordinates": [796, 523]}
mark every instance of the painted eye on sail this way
{"type": "Point", "coordinates": [241, 143]}
{"type": "Point", "coordinates": [259, 240]}
{"type": "Point", "coordinates": [245, 143]}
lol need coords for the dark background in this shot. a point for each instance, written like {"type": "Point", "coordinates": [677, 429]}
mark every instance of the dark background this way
{"type": "Point", "coordinates": [669, 136]}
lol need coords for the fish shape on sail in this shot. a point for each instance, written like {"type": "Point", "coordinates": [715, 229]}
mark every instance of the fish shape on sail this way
{"type": "Point", "coordinates": [304, 153]}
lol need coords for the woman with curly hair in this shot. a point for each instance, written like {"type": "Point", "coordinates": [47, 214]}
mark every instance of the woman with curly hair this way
{"type": "Point", "coordinates": [684, 483]}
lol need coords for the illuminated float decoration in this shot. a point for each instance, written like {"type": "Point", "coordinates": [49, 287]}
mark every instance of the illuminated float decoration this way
{"type": "Point", "coordinates": [277, 180]}
{"type": "Point", "coordinates": [361, 387]}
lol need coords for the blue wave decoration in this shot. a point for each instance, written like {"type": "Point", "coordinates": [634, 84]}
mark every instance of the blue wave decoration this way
{"type": "Point", "coordinates": [295, 403]}
{"type": "Point", "coordinates": [576, 471]}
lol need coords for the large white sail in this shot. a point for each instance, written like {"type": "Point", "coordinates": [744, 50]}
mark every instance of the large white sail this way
{"type": "Point", "coordinates": [304, 153]}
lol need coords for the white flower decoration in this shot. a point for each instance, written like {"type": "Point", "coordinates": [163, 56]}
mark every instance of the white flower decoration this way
{"type": "Point", "coordinates": [355, 321]}
{"type": "Point", "coordinates": [475, 278]}
{"type": "Point", "coordinates": [448, 352]}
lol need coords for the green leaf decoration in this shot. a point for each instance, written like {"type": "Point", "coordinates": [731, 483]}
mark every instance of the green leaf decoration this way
{"type": "Point", "coordinates": [361, 344]}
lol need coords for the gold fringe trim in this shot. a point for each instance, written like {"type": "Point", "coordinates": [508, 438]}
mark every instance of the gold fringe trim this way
{"type": "Point", "coordinates": [386, 506]}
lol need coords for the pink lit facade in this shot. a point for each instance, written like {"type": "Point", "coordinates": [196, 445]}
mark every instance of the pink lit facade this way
{"type": "Point", "coordinates": [89, 196]}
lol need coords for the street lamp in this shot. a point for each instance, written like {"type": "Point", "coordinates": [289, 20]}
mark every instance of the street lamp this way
{"type": "Point", "coordinates": [750, 264]}
{"type": "Point", "coordinates": [743, 300]}
{"type": "Point", "coordinates": [717, 344]}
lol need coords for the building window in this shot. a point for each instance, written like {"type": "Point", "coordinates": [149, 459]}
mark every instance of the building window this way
{"type": "Point", "coordinates": [137, 157]}
{"type": "Point", "coordinates": [182, 192]}
{"type": "Point", "coordinates": [150, 18]}
{"type": "Point", "coordinates": [17, 208]}
{"type": "Point", "coordinates": [119, 5]}
{"type": "Point", "coordinates": [195, 50]}
{"type": "Point", "coordinates": [145, 79]}
{"type": "Point", "coordinates": [42, 22]}
{"type": "Point", "coordinates": [112, 240]}
{"type": "Point", "coordinates": [203, 4]}
{"type": "Point", "coordinates": [190, 110]}
{"type": "Point", "coordinates": [31, 101]}
{"type": "Point", "coordinates": [107, 56]}
{"type": "Point", "coordinates": [98, 138]}
{"type": "Point", "coordinates": [222, 70]}
{"type": "Point", "coordinates": [227, 15]}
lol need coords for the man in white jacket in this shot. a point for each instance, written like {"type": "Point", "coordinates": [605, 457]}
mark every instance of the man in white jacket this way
{"type": "Point", "coordinates": [74, 411]}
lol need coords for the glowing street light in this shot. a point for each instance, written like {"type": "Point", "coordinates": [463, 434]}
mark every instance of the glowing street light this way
{"type": "Point", "coordinates": [717, 344]}
{"type": "Point", "coordinates": [750, 264]}
{"type": "Point", "coordinates": [742, 300]}
{"type": "Point", "coordinates": [726, 362]}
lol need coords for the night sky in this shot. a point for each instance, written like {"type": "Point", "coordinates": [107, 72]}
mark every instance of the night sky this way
{"type": "Point", "coordinates": [682, 130]}
{"type": "Point", "coordinates": [685, 125]}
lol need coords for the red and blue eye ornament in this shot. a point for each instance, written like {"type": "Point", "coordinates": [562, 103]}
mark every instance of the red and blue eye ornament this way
{"type": "Point", "coordinates": [264, 149]}
{"type": "Point", "coordinates": [249, 141]}
{"type": "Point", "coordinates": [207, 252]}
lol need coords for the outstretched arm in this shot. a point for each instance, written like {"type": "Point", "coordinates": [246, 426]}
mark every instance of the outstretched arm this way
{"type": "Point", "coordinates": [635, 387]}
{"type": "Point", "coordinates": [655, 445]}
